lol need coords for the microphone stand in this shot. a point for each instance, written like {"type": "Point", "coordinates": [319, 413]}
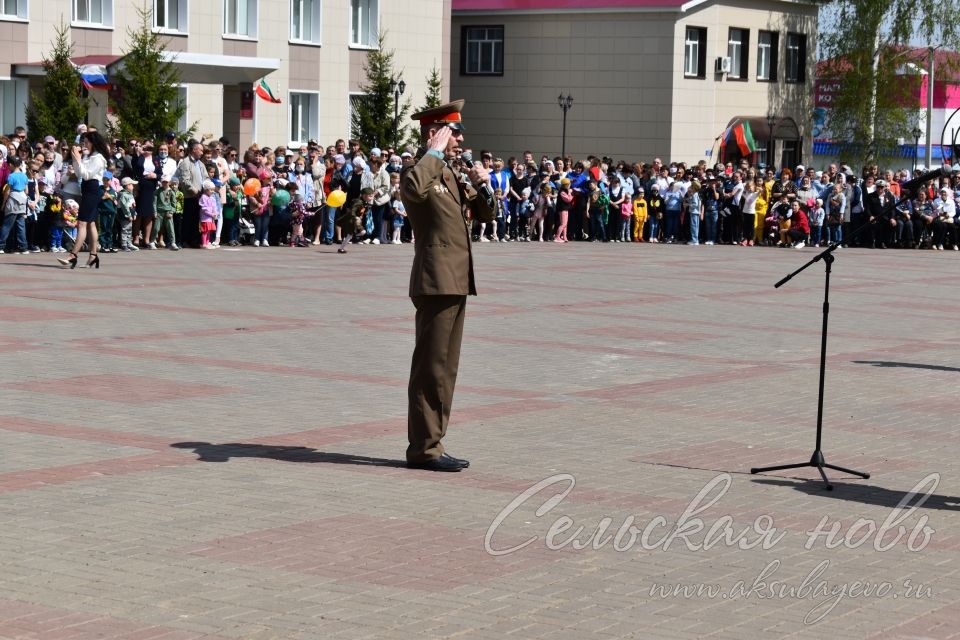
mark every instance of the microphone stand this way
{"type": "Point", "coordinates": [817, 459]}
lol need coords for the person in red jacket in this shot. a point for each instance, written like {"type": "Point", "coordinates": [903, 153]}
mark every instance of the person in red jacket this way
{"type": "Point", "coordinates": [800, 227]}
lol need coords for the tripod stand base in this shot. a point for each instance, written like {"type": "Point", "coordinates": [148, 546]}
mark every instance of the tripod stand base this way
{"type": "Point", "coordinates": [816, 460]}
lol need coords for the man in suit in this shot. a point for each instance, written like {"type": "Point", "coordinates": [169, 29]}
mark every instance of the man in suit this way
{"type": "Point", "coordinates": [882, 224]}
{"type": "Point", "coordinates": [191, 174]}
{"type": "Point", "coordinates": [436, 198]}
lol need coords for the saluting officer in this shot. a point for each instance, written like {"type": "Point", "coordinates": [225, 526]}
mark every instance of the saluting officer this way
{"type": "Point", "coordinates": [436, 199]}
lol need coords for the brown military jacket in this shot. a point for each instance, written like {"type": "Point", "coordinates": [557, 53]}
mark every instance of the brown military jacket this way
{"type": "Point", "coordinates": [435, 201]}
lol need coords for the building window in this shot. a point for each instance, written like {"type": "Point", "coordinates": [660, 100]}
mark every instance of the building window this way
{"type": "Point", "coordinates": [304, 117]}
{"type": "Point", "coordinates": [182, 100]}
{"type": "Point", "coordinates": [364, 23]}
{"type": "Point", "coordinates": [768, 46]}
{"type": "Point", "coordinates": [738, 46]}
{"type": "Point", "coordinates": [695, 53]}
{"type": "Point", "coordinates": [13, 101]}
{"type": "Point", "coordinates": [240, 18]}
{"type": "Point", "coordinates": [481, 50]}
{"type": "Point", "coordinates": [14, 9]}
{"type": "Point", "coordinates": [796, 57]}
{"type": "Point", "coordinates": [305, 21]}
{"type": "Point", "coordinates": [170, 15]}
{"type": "Point", "coordinates": [98, 12]}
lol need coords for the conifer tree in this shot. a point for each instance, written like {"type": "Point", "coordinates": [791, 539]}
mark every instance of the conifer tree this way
{"type": "Point", "coordinates": [373, 114]}
{"type": "Point", "coordinates": [61, 105]}
{"type": "Point", "coordinates": [146, 101]}
{"type": "Point", "coordinates": [434, 86]}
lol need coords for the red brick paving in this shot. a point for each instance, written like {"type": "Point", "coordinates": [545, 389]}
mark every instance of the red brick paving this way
{"type": "Point", "coordinates": [164, 545]}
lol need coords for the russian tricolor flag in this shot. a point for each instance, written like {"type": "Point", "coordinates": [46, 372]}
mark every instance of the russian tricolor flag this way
{"type": "Point", "coordinates": [94, 76]}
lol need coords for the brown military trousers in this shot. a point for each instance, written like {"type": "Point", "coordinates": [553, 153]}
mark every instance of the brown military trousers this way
{"type": "Point", "coordinates": [433, 373]}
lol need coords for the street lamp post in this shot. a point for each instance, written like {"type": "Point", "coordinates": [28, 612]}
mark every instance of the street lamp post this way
{"type": "Point", "coordinates": [397, 88]}
{"type": "Point", "coordinates": [916, 146]}
{"type": "Point", "coordinates": [566, 103]}
{"type": "Point", "coordinates": [771, 120]}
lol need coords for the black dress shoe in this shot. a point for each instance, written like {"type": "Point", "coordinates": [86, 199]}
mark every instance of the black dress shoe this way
{"type": "Point", "coordinates": [463, 463]}
{"type": "Point", "coordinates": [443, 463]}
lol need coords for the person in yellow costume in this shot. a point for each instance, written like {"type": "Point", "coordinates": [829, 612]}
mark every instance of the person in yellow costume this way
{"type": "Point", "coordinates": [639, 214]}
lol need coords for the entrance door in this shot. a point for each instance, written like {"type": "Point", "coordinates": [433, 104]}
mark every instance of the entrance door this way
{"type": "Point", "coordinates": [790, 154]}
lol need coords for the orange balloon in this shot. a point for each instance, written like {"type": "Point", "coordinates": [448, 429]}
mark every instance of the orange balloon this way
{"type": "Point", "coordinates": [251, 186]}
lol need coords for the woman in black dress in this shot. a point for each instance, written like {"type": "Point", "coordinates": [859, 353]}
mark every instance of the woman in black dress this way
{"type": "Point", "coordinates": [146, 171]}
{"type": "Point", "coordinates": [89, 163]}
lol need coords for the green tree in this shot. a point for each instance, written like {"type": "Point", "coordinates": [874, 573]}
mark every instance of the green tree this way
{"type": "Point", "coordinates": [866, 48]}
{"type": "Point", "coordinates": [434, 85]}
{"type": "Point", "coordinates": [62, 104]}
{"type": "Point", "coordinates": [373, 113]}
{"type": "Point", "coordinates": [146, 101]}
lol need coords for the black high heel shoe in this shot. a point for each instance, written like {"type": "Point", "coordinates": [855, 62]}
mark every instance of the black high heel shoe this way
{"type": "Point", "coordinates": [72, 261]}
{"type": "Point", "coordinates": [93, 262]}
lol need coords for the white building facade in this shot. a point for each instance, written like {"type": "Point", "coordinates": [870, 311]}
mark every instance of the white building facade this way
{"type": "Point", "coordinates": [310, 52]}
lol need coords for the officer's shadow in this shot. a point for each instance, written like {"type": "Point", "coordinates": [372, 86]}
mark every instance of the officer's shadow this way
{"type": "Point", "coordinates": [209, 452]}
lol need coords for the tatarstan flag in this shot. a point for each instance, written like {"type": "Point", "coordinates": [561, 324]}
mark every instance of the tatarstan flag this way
{"type": "Point", "coordinates": [745, 138]}
{"type": "Point", "coordinates": [264, 92]}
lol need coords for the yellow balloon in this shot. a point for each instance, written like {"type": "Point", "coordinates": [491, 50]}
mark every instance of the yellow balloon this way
{"type": "Point", "coordinates": [336, 198]}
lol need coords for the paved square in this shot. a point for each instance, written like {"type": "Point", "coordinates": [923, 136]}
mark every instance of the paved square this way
{"type": "Point", "coordinates": [210, 444]}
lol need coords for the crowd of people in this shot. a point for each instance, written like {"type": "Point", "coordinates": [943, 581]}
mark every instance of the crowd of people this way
{"type": "Point", "coordinates": [62, 196]}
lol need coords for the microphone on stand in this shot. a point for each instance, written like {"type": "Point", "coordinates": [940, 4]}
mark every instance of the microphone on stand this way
{"type": "Point", "coordinates": [483, 187]}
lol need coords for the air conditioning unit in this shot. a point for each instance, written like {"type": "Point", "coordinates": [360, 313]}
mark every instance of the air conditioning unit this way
{"type": "Point", "coordinates": [722, 65]}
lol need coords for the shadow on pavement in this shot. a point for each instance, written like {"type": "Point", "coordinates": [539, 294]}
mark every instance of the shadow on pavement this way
{"type": "Point", "coordinates": [906, 365]}
{"type": "Point", "coordinates": [209, 452]}
{"type": "Point", "coordinates": [866, 494]}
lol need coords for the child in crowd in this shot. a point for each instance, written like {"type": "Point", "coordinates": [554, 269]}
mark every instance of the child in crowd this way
{"type": "Point", "coordinates": [107, 212]}
{"type": "Point", "coordinates": [524, 211]}
{"type": "Point", "coordinates": [259, 204]}
{"type": "Point", "coordinates": [817, 216]}
{"type": "Point", "coordinates": [166, 207]}
{"type": "Point", "coordinates": [639, 214]}
{"type": "Point", "coordinates": [71, 211]}
{"type": "Point", "coordinates": [497, 221]}
{"type": "Point", "coordinates": [541, 211]}
{"type": "Point", "coordinates": [209, 212]}
{"type": "Point", "coordinates": [178, 212]}
{"type": "Point", "coordinates": [626, 210]}
{"type": "Point", "coordinates": [232, 210]}
{"type": "Point", "coordinates": [15, 207]}
{"type": "Point", "coordinates": [399, 215]}
{"type": "Point", "coordinates": [655, 212]}
{"type": "Point", "coordinates": [54, 213]}
{"type": "Point", "coordinates": [127, 211]}
{"type": "Point", "coordinates": [33, 210]}
{"type": "Point", "coordinates": [351, 219]}
{"type": "Point", "coordinates": [597, 213]}
{"type": "Point", "coordinates": [298, 213]}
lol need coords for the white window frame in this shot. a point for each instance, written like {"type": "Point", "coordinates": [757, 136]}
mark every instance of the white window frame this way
{"type": "Point", "coordinates": [794, 53]}
{"type": "Point", "coordinates": [183, 93]}
{"type": "Point", "coordinates": [14, 94]}
{"type": "Point", "coordinates": [764, 55]}
{"type": "Point", "coordinates": [313, 116]}
{"type": "Point", "coordinates": [735, 52]}
{"type": "Point", "coordinates": [183, 15]}
{"type": "Point", "coordinates": [106, 14]}
{"type": "Point", "coordinates": [350, 96]}
{"type": "Point", "coordinates": [21, 14]}
{"type": "Point", "coordinates": [373, 23]}
{"type": "Point", "coordinates": [691, 53]}
{"type": "Point", "coordinates": [252, 10]}
{"type": "Point", "coordinates": [316, 22]}
{"type": "Point", "coordinates": [495, 50]}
